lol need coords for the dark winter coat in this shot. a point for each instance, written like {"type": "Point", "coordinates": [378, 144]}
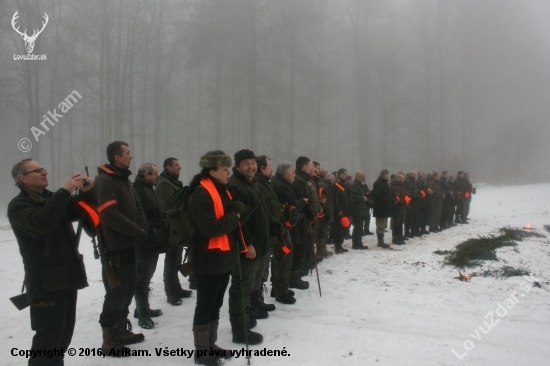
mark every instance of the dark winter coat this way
{"type": "Point", "coordinates": [120, 211]}
{"type": "Point", "coordinates": [303, 190]}
{"type": "Point", "coordinates": [446, 186]}
{"type": "Point", "coordinates": [436, 198]}
{"type": "Point", "coordinates": [381, 194]}
{"type": "Point", "coordinates": [358, 190]}
{"type": "Point", "coordinates": [256, 229]}
{"type": "Point", "coordinates": [285, 193]}
{"type": "Point", "coordinates": [165, 188]}
{"type": "Point", "coordinates": [42, 224]}
{"type": "Point", "coordinates": [328, 193]}
{"type": "Point", "coordinates": [273, 207]}
{"type": "Point", "coordinates": [342, 198]}
{"type": "Point", "coordinates": [157, 235]}
{"type": "Point", "coordinates": [423, 186]}
{"type": "Point", "coordinates": [461, 187]}
{"type": "Point", "coordinates": [203, 218]}
{"type": "Point", "coordinates": [468, 188]}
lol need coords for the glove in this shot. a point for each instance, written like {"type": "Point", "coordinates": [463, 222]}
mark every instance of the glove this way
{"type": "Point", "coordinates": [291, 216]}
{"type": "Point", "coordinates": [237, 207]}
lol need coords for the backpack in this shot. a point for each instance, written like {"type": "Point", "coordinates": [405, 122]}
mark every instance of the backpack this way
{"type": "Point", "coordinates": [180, 230]}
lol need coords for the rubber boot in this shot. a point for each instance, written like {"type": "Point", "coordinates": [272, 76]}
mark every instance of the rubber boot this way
{"type": "Point", "coordinates": [381, 243]}
{"type": "Point", "coordinates": [400, 233]}
{"type": "Point", "coordinates": [223, 353]}
{"type": "Point", "coordinates": [324, 252]}
{"type": "Point", "coordinates": [201, 334]}
{"type": "Point", "coordinates": [124, 327]}
{"type": "Point", "coordinates": [112, 344]}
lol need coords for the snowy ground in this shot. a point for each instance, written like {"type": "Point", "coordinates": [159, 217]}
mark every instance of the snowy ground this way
{"type": "Point", "coordinates": [378, 306]}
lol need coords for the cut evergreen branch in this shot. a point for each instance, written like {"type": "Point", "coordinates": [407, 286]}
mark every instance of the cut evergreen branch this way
{"type": "Point", "coordinates": [503, 272]}
{"type": "Point", "coordinates": [547, 228]}
{"type": "Point", "coordinates": [473, 252]}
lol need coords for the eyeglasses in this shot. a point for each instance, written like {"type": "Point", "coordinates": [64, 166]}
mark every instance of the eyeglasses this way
{"type": "Point", "coordinates": [37, 170]}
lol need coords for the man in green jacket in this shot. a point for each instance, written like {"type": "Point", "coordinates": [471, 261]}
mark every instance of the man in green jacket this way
{"type": "Point", "coordinates": [342, 208]}
{"type": "Point", "coordinates": [147, 252]}
{"type": "Point", "coordinates": [276, 230]}
{"type": "Point", "coordinates": [282, 185]}
{"type": "Point", "coordinates": [424, 205]}
{"type": "Point", "coordinates": [54, 269]}
{"type": "Point", "coordinates": [299, 233]}
{"type": "Point", "coordinates": [326, 191]}
{"type": "Point", "coordinates": [359, 208]}
{"type": "Point", "coordinates": [243, 188]}
{"type": "Point", "coordinates": [167, 184]}
{"type": "Point", "coordinates": [436, 200]}
{"type": "Point", "coordinates": [123, 224]}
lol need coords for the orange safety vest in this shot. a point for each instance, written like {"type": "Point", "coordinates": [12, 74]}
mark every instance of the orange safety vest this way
{"type": "Point", "coordinates": [219, 242]}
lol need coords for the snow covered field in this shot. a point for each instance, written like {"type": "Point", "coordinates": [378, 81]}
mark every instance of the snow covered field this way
{"type": "Point", "coordinates": [378, 307]}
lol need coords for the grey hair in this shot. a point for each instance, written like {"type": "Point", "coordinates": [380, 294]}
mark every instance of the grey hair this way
{"type": "Point", "coordinates": [19, 170]}
{"type": "Point", "coordinates": [146, 168]}
{"type": "Point", "coordinates": [329, 176]}
{"type": "Point", "coordinates": [283, 168]}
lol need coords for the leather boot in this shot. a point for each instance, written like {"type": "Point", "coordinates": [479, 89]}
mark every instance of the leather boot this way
{"type": "Point", "coordinates": [112, 344]}
{"type": "Point", "coordinates": [263, 305]}
{"type": "Point", "coordinates": [339, 249]}
{"type": "Point", "coordinates": [171, 297]}
{"type": "Point", "coordinates": [400, 233]}
{"type": "Point", "coordinates": [223, 353]}
{"type": "Point", "coordinates": [296, 282]}
{"type": "Point", "coordinates": [381, 243]}
{"type": "Point", "coordinates": [201, 335]}
{"type": "Point", "coordinates": [142, 312]}
{"type": "Point", "coordinates": [124, 327]}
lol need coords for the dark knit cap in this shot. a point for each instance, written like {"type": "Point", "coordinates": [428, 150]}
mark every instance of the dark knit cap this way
{"type": "Point", "coordinates": [243, 155]}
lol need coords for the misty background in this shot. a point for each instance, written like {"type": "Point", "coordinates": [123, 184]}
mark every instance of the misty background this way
{"type": "Point", "coordinates": [356, 84]}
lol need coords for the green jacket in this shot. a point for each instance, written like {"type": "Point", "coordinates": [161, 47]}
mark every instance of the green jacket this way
{"type": "Point", "coordinates": [256, 230]}
{"type": "Point", "coordinates": [327, 191]}
{"type": "Point", "coordinates": [120, 211]}
{"type": "Point", "coordinates": [302, 190]}
{"type": "Point", "coordinates": [42, 224]}
{"type": "Point", "coordinates": [273, 207]}
{"type": "Point", "coordinates": [436, 198]}
{"type": "Point", "coordinates": [165, 187]}
{"type": "Point", "coordinates": [422, 186]}
{"type": "Point", "coordinates": [157, 235]}
{"type": "Point", "coordinates": [342, 199]}
{"type": "Point", "coordinates": [357, 191]}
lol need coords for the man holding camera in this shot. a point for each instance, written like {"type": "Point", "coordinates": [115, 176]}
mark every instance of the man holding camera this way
{"type": "Point", "coordinates": [42, 223]}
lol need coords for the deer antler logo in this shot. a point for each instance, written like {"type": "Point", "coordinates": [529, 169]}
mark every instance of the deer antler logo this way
{"type": "Point", "coordinates": [29, 41]}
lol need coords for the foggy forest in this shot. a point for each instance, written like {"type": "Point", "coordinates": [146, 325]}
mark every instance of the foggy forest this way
{"type": "Point", "coordinates": [356, 84]}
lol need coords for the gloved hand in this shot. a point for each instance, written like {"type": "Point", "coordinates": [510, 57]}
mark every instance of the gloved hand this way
{"type": "Point", "coordinates": [285, 241]}
{"type": "Point", "coordinates": [237, 207]}
{"type": "Point", "coordinates": [291, 215]}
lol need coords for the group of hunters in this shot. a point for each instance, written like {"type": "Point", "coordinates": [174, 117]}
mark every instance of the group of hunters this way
{"type": "Point", "coordinates": [247, 219]}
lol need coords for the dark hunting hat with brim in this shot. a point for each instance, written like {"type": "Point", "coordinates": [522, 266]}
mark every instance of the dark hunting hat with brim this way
{"type": "Point", "coordinates": [215, 159]}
